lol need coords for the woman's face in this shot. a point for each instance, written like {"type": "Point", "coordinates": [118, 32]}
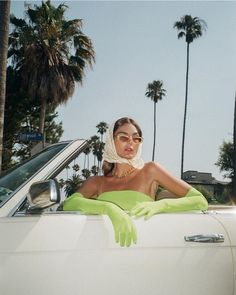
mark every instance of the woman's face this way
{"type": "Point", "coordinates": [127, 141]}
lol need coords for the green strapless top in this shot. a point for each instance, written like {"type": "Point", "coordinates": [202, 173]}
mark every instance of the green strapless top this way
{"type": "Point", "coordinates": [125, 199]}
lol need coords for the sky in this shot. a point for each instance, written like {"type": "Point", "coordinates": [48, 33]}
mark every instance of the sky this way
{"type": "Point", "coordinates": [135, 43]}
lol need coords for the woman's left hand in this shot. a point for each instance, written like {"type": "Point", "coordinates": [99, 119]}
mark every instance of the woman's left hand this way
{"type": "Point", "coordinates": [193, 200]}
{"type": "Point", "coordinates": [148, 209]}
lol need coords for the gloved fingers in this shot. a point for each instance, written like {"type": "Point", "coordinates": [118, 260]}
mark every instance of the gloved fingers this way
{"type": "Point", "coordinates": [128, 239]}
{"type": "Point", "coordinates": [122, 239]}
{"type": "Point", "coordinates": [134, 234]}
{"type": "Point", "coordinates": [149, 214]}
{"type": "Point", "coordinates": [142, 212]}
{"type": "Point", "coordinates": [137, 209]}
{"type": "Point", "coordinates": [128, 234]}
{"type": "Point", "coordinates": [125, 231]}
{"type": "Point", "coordinates": [117, 235]}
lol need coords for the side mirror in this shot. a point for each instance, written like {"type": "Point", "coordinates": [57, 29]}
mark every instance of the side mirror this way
{"type": "Point", "coordinates": [43, 194]}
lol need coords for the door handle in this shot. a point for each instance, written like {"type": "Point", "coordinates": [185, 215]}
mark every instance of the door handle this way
{"type": "Point", "coordinates": [208, 238]}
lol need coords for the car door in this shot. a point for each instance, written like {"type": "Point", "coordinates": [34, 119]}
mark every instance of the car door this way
{"type": "Point", "coordinates": [226, 215]}
{"type": "Point", "coordinates": [69, 253]}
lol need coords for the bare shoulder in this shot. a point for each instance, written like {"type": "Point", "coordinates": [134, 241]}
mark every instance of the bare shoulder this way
{"type": "Point", "coordinates": [90, 187]}
{"type": "Point", "coordinates": [150, 171]}
{"type": "Point", "coordinates": [152, 167]}
{"type": "Point", "coordinates": [166, 179]}
{"type": "Point", "coordinates": [158, 169]}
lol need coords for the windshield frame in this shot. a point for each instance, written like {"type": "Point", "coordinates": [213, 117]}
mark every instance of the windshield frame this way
{"type": "Point", "coordinates": [63, 143]}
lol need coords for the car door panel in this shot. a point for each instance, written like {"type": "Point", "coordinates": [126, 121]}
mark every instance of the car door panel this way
{"type": "Point", "coordinates": [76, 254]}
{"type": "Point", "coordinates": [228, 220]}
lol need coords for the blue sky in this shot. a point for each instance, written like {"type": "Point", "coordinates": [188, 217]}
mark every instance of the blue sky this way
{"type": "Point", "coordinates": [135, 43]}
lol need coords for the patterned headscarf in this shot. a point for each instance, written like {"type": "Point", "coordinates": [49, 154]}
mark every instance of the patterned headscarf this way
{"type": "Point", "coordinates": [110, 155]}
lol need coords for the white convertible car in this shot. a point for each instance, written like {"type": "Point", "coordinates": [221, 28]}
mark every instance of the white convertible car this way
{"type": "Point", "coordinates": [44, 251]}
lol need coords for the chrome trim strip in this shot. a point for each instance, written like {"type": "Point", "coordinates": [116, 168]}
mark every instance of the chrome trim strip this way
{"type": "Point", "coordinates": [205, 238]}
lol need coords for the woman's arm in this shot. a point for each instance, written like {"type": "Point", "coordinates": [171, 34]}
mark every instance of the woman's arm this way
{"type": "Point", "coordinates": [83, 200]}
{"type": "Point", "coordinates": [189, 197]}
{"type": "Point", "coordinates": [124, 229]}
{"type": "Point", "coordinates": [174, 185]}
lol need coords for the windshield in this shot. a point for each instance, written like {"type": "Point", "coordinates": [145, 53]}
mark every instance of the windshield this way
{"type": "Point", "coordinates": [13, 178]}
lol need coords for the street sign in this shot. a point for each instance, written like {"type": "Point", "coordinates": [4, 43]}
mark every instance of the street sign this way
{"type": "Point", "coordinates": [30, 136]}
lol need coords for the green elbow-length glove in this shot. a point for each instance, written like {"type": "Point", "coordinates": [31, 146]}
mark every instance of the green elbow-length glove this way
{"type": "Point", "coordinates": [193, 200]}
{"type": "Point", "coordinates": [125, 231]}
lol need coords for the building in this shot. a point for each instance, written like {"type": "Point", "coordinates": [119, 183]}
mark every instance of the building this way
{"type": "Point", "coordinates": [205, 180]}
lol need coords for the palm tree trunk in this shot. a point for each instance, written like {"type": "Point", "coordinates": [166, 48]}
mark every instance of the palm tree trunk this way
{"type": "Point", "coordinates": [42, 115]}
{"type": "Point", "coordinates": [85, 161]}
{"type": "Point", "coordinates": [4, 30]}
{"type": "Point", "coordinates": [154, 134]}
{"type": "Point", "coordinates": [234, 156]}
{"type": "Point", "coordinates": [185, 113]}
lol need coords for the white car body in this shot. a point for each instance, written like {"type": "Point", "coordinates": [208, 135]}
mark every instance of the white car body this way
{"type": "Point", "coordinates": [58, 253]}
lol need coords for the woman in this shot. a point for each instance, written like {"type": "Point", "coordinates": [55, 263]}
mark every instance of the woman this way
{"type": "Point", "coordinates": [129, 184]}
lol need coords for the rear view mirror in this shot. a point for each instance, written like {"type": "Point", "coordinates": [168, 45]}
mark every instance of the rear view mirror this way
{"type": "Point", "coordinates": [43, 194]}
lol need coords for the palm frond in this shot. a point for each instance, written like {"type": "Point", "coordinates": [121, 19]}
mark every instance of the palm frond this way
{"type": "Point", "coordinates": [190, 27]}
{"type": "Point", "coordinates": [155, 90]}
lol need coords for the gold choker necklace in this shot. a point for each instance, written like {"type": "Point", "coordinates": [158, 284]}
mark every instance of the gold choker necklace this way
{"type": "Point", "coordinates": [124, 174]}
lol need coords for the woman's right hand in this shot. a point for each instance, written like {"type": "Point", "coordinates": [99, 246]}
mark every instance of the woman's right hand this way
{"type": "Point", "coordinates": [124, 228]}
{"type": "Point", "coordinates": [125, 231]}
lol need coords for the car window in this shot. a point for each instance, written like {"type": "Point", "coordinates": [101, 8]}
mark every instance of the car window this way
{"type": "Point", "coordinates": [12, 179]}
{"type": "Point", "coordinates": [74, 173]}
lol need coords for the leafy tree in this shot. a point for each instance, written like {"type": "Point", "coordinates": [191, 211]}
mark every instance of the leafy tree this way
{"type": "Point", "coordinates": [40, 47]}
{"type": "Point", "coordinates": [15, 113]}
{"type": "Point", "coordinates": [225, 160]}
{"type": "Point", "coordinates": [190, 28]}
{"type": "Point", "coordinates": [53, 133]}
{"type": "Point", "coordinates": [223, 194]}
{"type": "Point", "coordinates": [4, 28]}
{"type": "Point", "coordinates": [155, 91]}
{"type": "Point", "coordinates": [22, 116]}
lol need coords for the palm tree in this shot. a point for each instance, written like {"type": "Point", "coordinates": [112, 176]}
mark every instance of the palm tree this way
{"type": "Point", "coordinates": [40, 47]}
{"type": "Point", "coordinates": [72, 184]}
{"type": "Point", "coordinates": [94, 170]}
{"type": "Point", "coordinates": [4, 29]}
{"type": "Point", "coordinates": [191, 28]}
{"type": "Point", "coordinates": [100, 150]}
{"type": "Point", "coordinates": [86, 173]}
{"type": "Point", "coordinates": [155, 92]}
{"type": "Point", "coordinates": [94, 141]}
{"type": "Point", "coordinates": [86, 155]}
{"type": "Point", "coordinates": [102, 128]}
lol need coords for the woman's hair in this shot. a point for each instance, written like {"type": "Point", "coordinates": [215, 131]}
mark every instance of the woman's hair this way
{"type": "Point", "coordinates": [120, 122]}
{"type": "Point", "coordinates": [108, 167]}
